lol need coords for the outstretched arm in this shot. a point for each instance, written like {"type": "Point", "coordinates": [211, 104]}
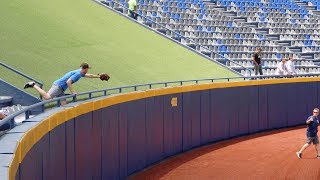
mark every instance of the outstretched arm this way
{"type": "Point", "coordinates": [92, 76]}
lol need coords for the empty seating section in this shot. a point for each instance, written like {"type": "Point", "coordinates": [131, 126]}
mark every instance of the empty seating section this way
{"type": "Point", "coordinates": [233, 29]}
{"type": "Point", "coordinates": [291, 24]}
{"type": "Point", "coordinates": [315, 3]}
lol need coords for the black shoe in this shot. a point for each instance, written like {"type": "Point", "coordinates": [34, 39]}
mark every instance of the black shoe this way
{"type": "Point", "coordinates": [29, 85]}
{"type": "Point", "coordinates": [299, 155]}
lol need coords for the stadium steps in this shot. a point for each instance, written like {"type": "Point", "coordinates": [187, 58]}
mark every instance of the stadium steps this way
{"type": "Point", "coordinates": [274, 37]}
{"type": "Point", "coordinates": [232, 14]}
{"type": "Point", "coordinates": [285, 43]}
{"type": "Point", "coordinates": [219, 8]}
{"type": "Point", "coordinates": [240, 19]}
{"type": "Point", "coordinates": [5, 101]}
{"type": "Point", "coordinates": [244, 20]}
{"type": "Point", "coordinates": [300, 3]}
{"type": "Point", "coordinates": [262, 30]}
{"type": "Point", "coordinates": [316, 13]}
{"type": "Point", "coordinates": [296, 49]}
{"type": "Point", "coordinates": [252, 24]}
{"type": "Point", "coordinates": [308, 7]}
{"type": "Point", "coordinates": [307, 56]}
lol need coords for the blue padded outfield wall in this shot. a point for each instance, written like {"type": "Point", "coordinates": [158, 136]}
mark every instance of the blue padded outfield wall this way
{"type": "Point", "coordinates": [114, 137]}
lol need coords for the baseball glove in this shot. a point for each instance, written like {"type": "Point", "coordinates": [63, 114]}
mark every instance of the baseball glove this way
{"type": "Point", "coordinates": [104, 77]}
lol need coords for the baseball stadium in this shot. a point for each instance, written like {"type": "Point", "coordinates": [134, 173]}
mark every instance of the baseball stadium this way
{"type": "Point", "coordinates": [159, 89]}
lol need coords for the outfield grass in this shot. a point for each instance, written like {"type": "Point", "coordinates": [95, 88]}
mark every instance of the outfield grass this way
{"type": "Point", "coordinates": [47, 38]}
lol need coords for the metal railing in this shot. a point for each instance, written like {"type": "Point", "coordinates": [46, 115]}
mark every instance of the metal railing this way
{"type": "Point", "coordinates": [8, 122]}
{"type": "Point", "coordinates": [176, 33]}
{"type": "Point", "coordinates": [22, 74]}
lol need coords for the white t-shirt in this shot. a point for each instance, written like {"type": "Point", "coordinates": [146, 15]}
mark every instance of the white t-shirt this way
{"type": "Point", "coordinates": [290, 67]}
{"type": "Point", "coordinates": [281, 69]}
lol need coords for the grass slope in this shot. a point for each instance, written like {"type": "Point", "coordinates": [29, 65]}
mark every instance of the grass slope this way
{"type": "Point", "coordinates": [47, 38]}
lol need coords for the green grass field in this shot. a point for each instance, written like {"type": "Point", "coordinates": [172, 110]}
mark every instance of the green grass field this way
{"type": "Point", "coordinates": [45, 39]}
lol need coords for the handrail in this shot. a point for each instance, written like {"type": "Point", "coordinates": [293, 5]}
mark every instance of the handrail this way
{"type": "Point", "coordinates": [10, 118]}
{"type": "Point", "coordinates": [21, 74]}
{"type": "Point", "coordinates": [179, 35]}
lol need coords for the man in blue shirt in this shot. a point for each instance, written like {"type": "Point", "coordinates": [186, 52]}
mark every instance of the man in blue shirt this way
{"type": "Point", "coordinates": [312, 131]}
{"type": "Point", "coordinates": [61, 85]}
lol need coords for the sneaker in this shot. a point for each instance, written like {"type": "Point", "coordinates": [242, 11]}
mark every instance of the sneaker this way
{"type": "Point", "coordinates": [29, 85]}
{"type": "Point", "coordinates": [299, 155]}
{"type": "Point", "coordinates": [318, 157]}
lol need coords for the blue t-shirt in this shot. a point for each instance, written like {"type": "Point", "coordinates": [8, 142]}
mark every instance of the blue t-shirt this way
{"type": "Point", "coordinates": [312, 129]}
{"type": "Point", "coordinates": [73, 75]}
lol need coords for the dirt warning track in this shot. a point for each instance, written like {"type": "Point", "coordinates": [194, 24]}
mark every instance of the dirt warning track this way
{"type": "Point", "coordinates": [269, 155]}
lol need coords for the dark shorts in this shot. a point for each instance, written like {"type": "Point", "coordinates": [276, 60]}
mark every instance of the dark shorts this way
{"type": "Point", "coordinates": [314, 140]}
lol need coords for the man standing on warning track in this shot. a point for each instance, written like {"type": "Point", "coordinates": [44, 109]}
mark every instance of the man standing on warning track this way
{"type": "Point", "coordinates": [312, 136]}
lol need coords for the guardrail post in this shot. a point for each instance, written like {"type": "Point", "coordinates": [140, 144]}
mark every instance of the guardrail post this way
{"type": "Point", "coordinates": [12, 123]}
{"type": "Point", "coordinates": [90, 95]}
{"type": "Point", "coordinates": [42, 108]}
{"type": "Point", "coordinates": [105, 92]}
{"type": "Point", "coordinates": [21, 74]}
{"type": "Point", "coordinates": [27, 114]}
{"type": "Point", "coordinates": [41, 86]}
{"type": "Point", "coordinates": [74, 99]}
{"type": "Point", "coordinates": [58, 103]}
